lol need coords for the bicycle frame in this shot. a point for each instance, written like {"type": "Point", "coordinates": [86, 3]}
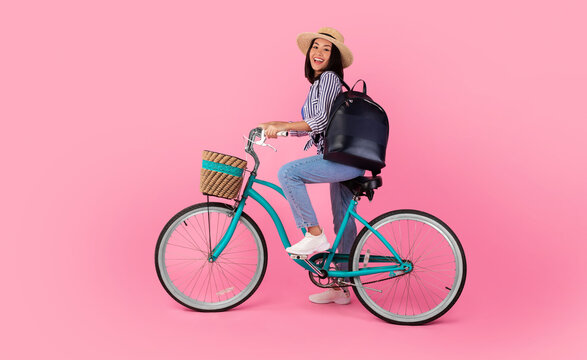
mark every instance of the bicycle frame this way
{"type": "Point", "coordinates": [252, 193]}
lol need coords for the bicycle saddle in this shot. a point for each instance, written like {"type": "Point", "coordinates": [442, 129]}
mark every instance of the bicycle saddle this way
{"type": "Point", "coordinates": [363, 185]}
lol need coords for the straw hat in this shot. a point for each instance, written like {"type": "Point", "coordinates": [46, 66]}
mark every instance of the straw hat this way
{"type": "Point", "coordinates": [330, 34]}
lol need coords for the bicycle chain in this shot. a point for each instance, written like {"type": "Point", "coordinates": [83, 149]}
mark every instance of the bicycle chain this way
{"type": "Point", "coordinates": [335, 284]}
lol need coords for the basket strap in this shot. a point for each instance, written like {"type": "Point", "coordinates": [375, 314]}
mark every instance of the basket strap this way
{"type": "Point", "coordinates": [223, 168]}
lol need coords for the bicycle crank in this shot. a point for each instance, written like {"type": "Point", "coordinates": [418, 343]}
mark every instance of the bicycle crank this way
{"type": "Point", "coordinates": [322, 274]}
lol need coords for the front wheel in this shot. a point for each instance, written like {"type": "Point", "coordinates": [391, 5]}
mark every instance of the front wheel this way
{"type": "Point", "coordinates": [426, 292]}
{"type": "Point", "coordinates": [183, 249]}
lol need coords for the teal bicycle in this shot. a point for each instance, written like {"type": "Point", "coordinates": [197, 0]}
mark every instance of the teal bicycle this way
{"type": "Point", "coordinates": [406, 266]}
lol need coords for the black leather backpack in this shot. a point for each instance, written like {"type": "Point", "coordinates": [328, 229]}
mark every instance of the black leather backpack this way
{"type": "Point", "coordinates": [357, 131]}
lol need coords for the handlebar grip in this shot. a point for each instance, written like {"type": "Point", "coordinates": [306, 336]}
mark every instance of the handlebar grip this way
{"type": "Point", "coordinates": [282, 133]}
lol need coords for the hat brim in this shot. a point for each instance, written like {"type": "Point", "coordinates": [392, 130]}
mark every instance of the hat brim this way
{"type": "Point", "coordinates": [305, 39]}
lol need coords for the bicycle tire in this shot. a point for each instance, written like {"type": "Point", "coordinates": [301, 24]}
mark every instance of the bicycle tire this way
{"type": "Point", "coordinates": [436, 281]}
{"type": "Point", "coordinates": [224, 289]}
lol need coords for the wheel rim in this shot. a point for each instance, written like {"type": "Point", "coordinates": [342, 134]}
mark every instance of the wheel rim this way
{"type": "Point", "coordinates": [183, 260]}
{"type": "Point", "coordinates": [436, 280]}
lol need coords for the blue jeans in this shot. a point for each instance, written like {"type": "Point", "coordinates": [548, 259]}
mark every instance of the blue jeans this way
{"type": "Point", "coordinates": [293, 178]}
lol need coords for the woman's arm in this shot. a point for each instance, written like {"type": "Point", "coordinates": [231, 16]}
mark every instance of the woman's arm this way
{"type": "Point", "coordinates": [273, 127]}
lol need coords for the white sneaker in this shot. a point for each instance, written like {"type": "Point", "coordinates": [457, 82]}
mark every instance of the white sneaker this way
{"type": "Point", "coordinates": [341, 297]}
{"type": "Point", "coordinates": [309, 244]}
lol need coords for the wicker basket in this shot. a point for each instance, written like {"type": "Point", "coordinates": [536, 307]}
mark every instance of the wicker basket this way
{"type": "Point", "coordinates": [222, 175]}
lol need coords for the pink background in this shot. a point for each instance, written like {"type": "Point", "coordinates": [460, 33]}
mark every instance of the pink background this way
{"type": "Point", "coordinates": [106, 106]}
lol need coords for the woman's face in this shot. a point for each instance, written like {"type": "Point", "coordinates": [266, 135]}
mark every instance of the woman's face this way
{"type": "Point", "coordinates": [319, 55]}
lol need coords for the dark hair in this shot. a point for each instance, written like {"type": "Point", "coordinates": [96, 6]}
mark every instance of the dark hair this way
{"type": "Point", "coordinates": [334, 63]}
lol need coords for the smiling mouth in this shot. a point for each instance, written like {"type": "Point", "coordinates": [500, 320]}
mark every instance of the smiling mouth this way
{"type": "Point", "coordinates": [318, 61]}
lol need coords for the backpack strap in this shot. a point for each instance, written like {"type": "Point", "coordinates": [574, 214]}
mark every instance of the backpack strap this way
{"type": "Point", "coordinates": [348, 88]}
{"type": "Point", "coordinates": [345, 85]}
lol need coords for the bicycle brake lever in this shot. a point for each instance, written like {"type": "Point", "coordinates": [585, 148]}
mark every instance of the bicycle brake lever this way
{"type": "Point", "coordinates": [261, 141]}
{"type": "Point", "coordinates": [274, 149]}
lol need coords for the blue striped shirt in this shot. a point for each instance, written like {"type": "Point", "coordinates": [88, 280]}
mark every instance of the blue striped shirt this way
{"type": "Point", "coordinates": [316, 109]}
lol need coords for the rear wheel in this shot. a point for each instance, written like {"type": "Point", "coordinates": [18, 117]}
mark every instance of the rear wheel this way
{"type": "Point", "coordinates": [439, 267]}
{"type": "Point", "coordinates": [183, 248]}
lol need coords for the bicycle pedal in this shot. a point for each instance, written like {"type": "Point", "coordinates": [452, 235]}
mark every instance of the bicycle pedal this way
{"type": "Point", "coordinates": [298, 256]}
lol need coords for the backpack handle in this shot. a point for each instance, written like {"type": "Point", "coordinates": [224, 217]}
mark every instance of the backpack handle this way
{"type": "Point", "coordinates": [348, 88]}
{"type": "Point", "coordinates": [364, 86]}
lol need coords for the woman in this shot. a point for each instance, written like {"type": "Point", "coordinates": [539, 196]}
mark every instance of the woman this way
{"type": "Point", "coordinates": [326, 56]}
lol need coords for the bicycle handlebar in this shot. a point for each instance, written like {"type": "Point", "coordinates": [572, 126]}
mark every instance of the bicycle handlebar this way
{"type": "Point", "coordinates": [253, 134]}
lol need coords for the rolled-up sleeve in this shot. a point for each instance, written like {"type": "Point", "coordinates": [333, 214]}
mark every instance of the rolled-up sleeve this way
{"type": "Point", "coordinates": [298, 133]}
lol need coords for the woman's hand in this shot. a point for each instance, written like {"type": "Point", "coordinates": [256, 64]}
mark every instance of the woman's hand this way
{"type": "Point", "coordinates": [273, 127]}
